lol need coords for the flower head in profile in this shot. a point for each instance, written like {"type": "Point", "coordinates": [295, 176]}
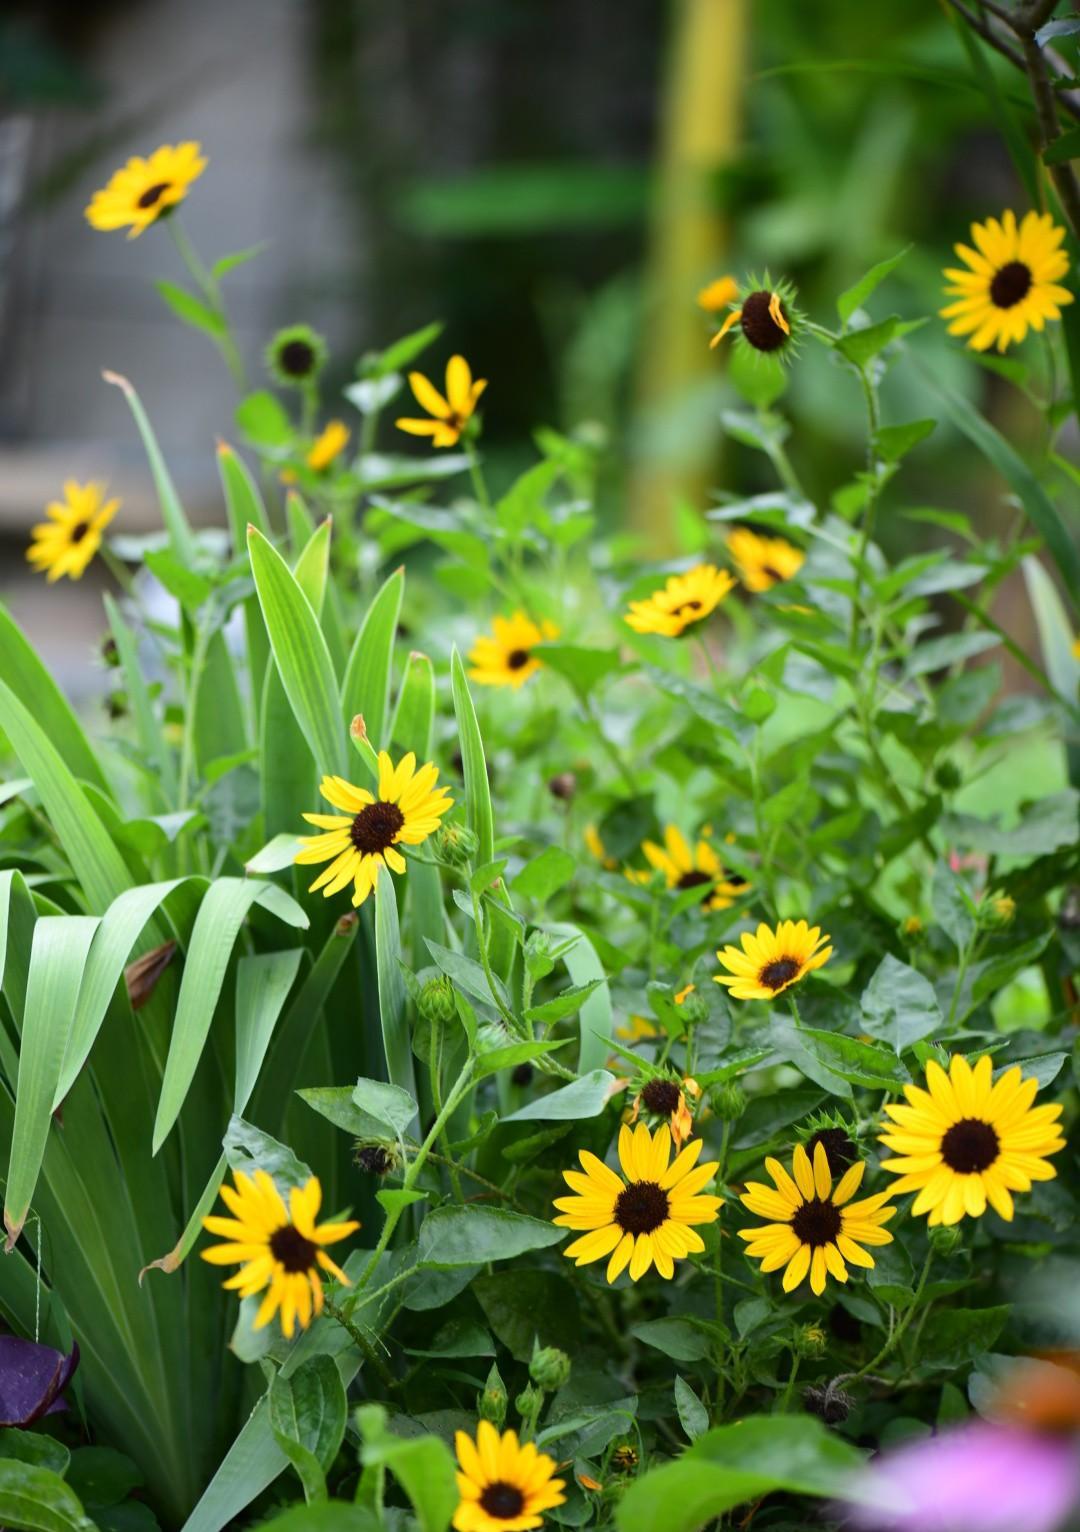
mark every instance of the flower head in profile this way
{"type": "Point", "coordinates": [683, 601]}
{"type": "Point", "coordinates": [65, 544]}
{"type": "Point", "coordinates": [770, 961]}
{"type": "Point", "coordinates": [814, 1228]}
{"type": "Point", "coordinates": [637, 1029]}
{"type": "Point", "coordinates": [646, 1219]}
{"type": "Point", "coordinates": [296, 355]}
{"type": "Point", "coordinates": [672, 1100]}
{"type": "Point", "coordinates": [698, 867]}
{"type": "Point", "coordinates": [363, 839]}
{"type": "Point", "coordinates": [504, 1486]}
{"type": "Point", "coordinates": [329, 444]}
{"type": "Point", "coordinates": [718, 294]}
{"type": "Point", "coordinates": [763, 562]}
{"type": "Point", "coordinates": [767, 318]}
{"type": "Point", "coordinates": [1012, 280]}
{"type": "Point", "coordinates": [968, 1141]}
{"type": "Point", "coordinates": [449, 415]}
{"type": "Point", "coordinates": [505, 657]}
{"type": "Point", "coordinates": [144, 190]}
{"type": "Point", "coordinates": [280, 1252]}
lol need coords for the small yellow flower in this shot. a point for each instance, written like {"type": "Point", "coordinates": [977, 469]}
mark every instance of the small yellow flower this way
{"type": "Point", "coordinates": [66, 543]}
{"type": "Point", "coordinates": [1076, 648]}
{"type": "Point", "coordinates": [506, 658]}
{"type": "Point", "coordinates": [504, 1486]}
{"type": "Point", "coordinates": [966, 1140]}
{"type": "Point", "coordinates": [648, 1218]}
{"type": "Point", "coordinates": [638, 1029]}
{"type": "Point", "coordinates": [449, 415]}
{"type": "Point", "coordinates": [771, 961]}
{"type": "Point", "coordinates": [698, 868]}
{"type": "Point", "coordinates": [763, 561]}
{"type": "Point", "coordinates": [1003, 907]}
{"type": "Point", "coordinates": [1013, 280]}
{"type": "Point", "coordinates": [912, 925]}
{"type": "Point", "coordinates": [718, 294]}
{"type": "Point", "coordinates": [814, 1229]}
{"type": "Point", "coordinates": [277, 1251]}
{"type": "Point", "coordinates": [685, 599]}
{"type": "Point", "coordinates": [144, 190]}
{"type": "Point", "coordinates": [333, 439]}
{"type": "Point", "coordinates": [359, 843]}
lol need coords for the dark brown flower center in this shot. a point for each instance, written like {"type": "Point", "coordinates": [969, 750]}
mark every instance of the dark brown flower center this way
{"type": "Point", "coordinates": [153, 194]}
{"type": "Point", "coordinates": [502, 1501]}
{"type": "Point", "coordinates": [289, 1246]}
{"type": "Point", "coordinates": [733, 879]}
{"type": "Point", "coordinates": [517, 658]}
{"type": "Point", "coordinates": [1010, 285]}
{"type": "Point", "coordinates": [296, 357]}
{"type": "Point", "coordinates": [779, 972]}
{"type": "Point", "coordinates": [641, 1207]}
{"type": "Point", "coordinates": [758, 325]}
{"type": "Point", "coordinates": [816, 1223]}
{"type": "Point", "coordinates": [685, 606]}
{"type": "Point", "coordinates": [376, 1160]}
{"type": "Point", "coordinates": [839, 1150]}
{"type": "Point", "coordinates": [79, 531]}
{"type": "Point", "coordinates": [694, 879]}
{"type": "Point", "coordinates": [375, 827]}
{"type": "Point", "coordinates": [662, 1097]}
{"type": "Point", "coordinates": [969, 1146]}
{"type": "Point", "coordinates": [774, 574]}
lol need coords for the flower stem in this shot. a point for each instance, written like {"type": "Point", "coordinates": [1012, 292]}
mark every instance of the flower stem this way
{"type": "Point", "coordinates": [897, 1334]}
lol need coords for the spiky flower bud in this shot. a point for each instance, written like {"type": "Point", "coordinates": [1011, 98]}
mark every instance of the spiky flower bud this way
{"type": "Point", "coordinates": [549, 1367]}
{"type": "Point", "coordinates": [377, 1157]}
{"type": "Point", "coordinates": [694, 1009]}
{"type": "Point", "coordinates": [729, 1101]}
{"type": "Point", "coordinates": [492, 1403]}
{"type": "Point", "coordinates": [528, 1402]}
{"type": "Point", "coordinates": [456, 845]}
{"type": "Point", "coordinates": [436, 1001]}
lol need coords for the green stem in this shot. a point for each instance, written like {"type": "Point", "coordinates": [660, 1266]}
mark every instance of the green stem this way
{"type": "Point", "coordinates": [119, 571]}
{"type": "Point", "coordinates": [789, 1390]}
{"type": "Point", "coordinates": [870, 513]}
{"type": "Point", "coordinates": [360, 1340]}
{"type": "Point", "coordinates": [435, 1071]}
{"type": "Point", "coordinates": [899, 1331]}
{"type": "Point", "coordinates": [476, 473]}
{"type": "Point", "coordinates": [187, 748]}
{"type": "Point", "coordinates": [211, 291]}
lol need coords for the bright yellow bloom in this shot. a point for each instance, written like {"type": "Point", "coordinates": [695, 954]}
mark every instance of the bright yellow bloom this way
{"type": "Point", "coordinates": [504, 1486]}
{"type": "Point", "coordinates": [967, 1140]}
{"type": "Point", "coordinates": [684, 600]}
{"type": "Point", "coordinates": [718, 294]}
{"type": "Point", "coordinates": [145, 189]}
{"type": "Point", "coordinates": [771, 961]}
{"type": "Point", "coordinates": [364, 840]}
{"type": "Point", "coordinates": [333, 439]}
{"type": "Point", "coordinates": [1076, 648]}
{"type": "Point", "coordinates": [277, 1251]}
{"type": "Point", "coordinates": [646, 1220]}
{"type": "Point", "coordinates": [638, 1029]}
{"type": "Point", "coordinates": [66, 543]}
{"type": "Point", "coordinates": [763, 319]}
{"type": "Point", "coordinates": [449, 415]}
{"type": "Point", "coordinates": [763, 561]}
{"type": "Point", "coordinates": [697, 868]}
{"type": "Point", "coordinates": [506, 658]}
{"type": "Point", "coordinates": [1014, 281]}
{"type": "Point", "coordinates": [814, 1229]}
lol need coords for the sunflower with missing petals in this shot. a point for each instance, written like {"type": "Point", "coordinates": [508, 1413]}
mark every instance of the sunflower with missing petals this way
{"type": "Point", "coordinates": [685, 599]}
{"type": "Point", "coordinates": [767, 318]}
{"type": "Point", "coordinates": [144, 190]}
{"type": "Point", "coordinates": [815, 1229]}
{"type": "Point", "coordinates": [645, 1220]}
{"type": "Point", "coordinates": [697, 868]}
{"type": "Point", "coordinates": [771, 961]}
{"type": "Point", "coordinates": [1013, 280]}
{"type": "Point", "coordinates": [364, 839]}
{"type": "Point", "coordinates": [66, 543]}
{"type": "Point", "coordinates": [451, 415]}
{"type": "Point", "coordinates": [331, 441]}
{"type": "Point", "coordinates": [763, 562]}
{"type": "Point", "coordinates": [666, 1096]}
{"type": "Point", "coordinates": [967, 1140]}
{"type": "Point", "coordinates": [504, 1486]}
{"type": "Point", "coordinates": [506, 658]}
{"type": "Point", "coordinates": [280, 1252]}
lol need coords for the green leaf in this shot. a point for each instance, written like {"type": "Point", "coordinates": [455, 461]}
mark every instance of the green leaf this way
{"type": "Point", "coordinates": [899, 1005]}
{"type": "Point", "coordinates": [226, 263]}
{"type": "Point", "coordinates": [583, 668]}
{"type": "Point", "coordinates": [567, 1003]}
{"type": "Point", "coordinates": [397, 1043]}
{"type": "Point", "coordinates": [31, 683]}
{"type": "Point", "coordinates": [467, 974]}
{"type": "Point", "coordinates": [263, 420]}
{"type": "Point", "coordinates": [34, 1447]}
{"type": "Point", "coordinates": [952, 649]}
{"type": "Point", "coordinates": [366, 691]}
{"type": "Point", "coordinates": [953, 908]}
{"type": "Point", "coordinates": [494, 1059]}
{"type": "Point", "coordinates": [545, 874]}
{"type": "Point", "coordinates": [1064, 148]}
{"type": "Point", "coordinates": [474, 765]}
{"type": "Point", "coordinates": [854, 297]}
{"type": "Point", "coordinates": [158, 754]}
{"type": "Point", "coordinates": [860, 1063]}
{"type": "Point", "coordinates": [308, 1407]}
{"type": "Point", "coordinates": [313, 566]}
{"type": "Point", "coordinates": [693, 1416]}
{"type": "Point", "coordinates": [586, 1097]}
{"type": "Point", "coordinates": [300, 652]}
{"type": "Point", "coordinates": [413, 723]}
{"type": "Point", "coordinates": [397, 356]}
{"type": "Point", "coordinates": [181, 537]}
{"type": "Point", "coordinates": [388, 1104]}
{"type": "Point", "coordinates": [891, 443]}
{"type": "Point", "coordinates": [36, 1499]}
{"type": "Point", "coordinates": [422, 1465]}
{"type": "Point", "coordinates": [684, 1340]}
{"type": "Point", "coordinates": [263, 982]}
{"type": "Point", "coordinates": [596, 1020]}
{"type": "Point", "coordinates": [191, 310]}
{"type": "Point", "coordinates": [953, 1337]}
{"type": "Point", "coordinates": [470, 1235]}
{"type": "Point", "coordinates": [1055, 631]}
{"type": "Point", "coordinates": [861, 346]}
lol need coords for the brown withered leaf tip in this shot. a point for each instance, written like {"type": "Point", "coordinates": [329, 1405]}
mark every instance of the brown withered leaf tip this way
{"type": "Point", "coordinates": [141, 976]}
{"type": "Point", "coordinates": [358, 728]}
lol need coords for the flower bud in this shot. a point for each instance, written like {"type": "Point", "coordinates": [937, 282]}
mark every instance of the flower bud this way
{"type": "Point", "coordinates": [377, 1157]}
{"type": "Point", "coordinates": [436, 1001]}
{"type": "Point", "coordinates": [625, 1458]}
{"type": "Point", "coordinates": [528, 1402]}
{"type": "Point", "coordinates": [948, 777]}
{"type": "Point", "coordinates": [729, 1102]}
{"type": "Point", "coordinates": [549, 1367]}
{"type": "Point", "coordinates": [456, 845]}
{"type": "Point", "coordinates": [999, 910]}
{"type": "Point", "coordinates": [945, 1239]}
{"type": "Point", "coordinates": [694, 1009]}
{"type": "Point", "coordinates": [912, 928]}
{"type": "Point", "coordinates": [492, 1403]}
{"type": "Point", "coordinates": [829, 1404]}
{"type": "Point", "coordinates": [563, 785]}
{"type": "Point", "coordinates": [810, 1341]}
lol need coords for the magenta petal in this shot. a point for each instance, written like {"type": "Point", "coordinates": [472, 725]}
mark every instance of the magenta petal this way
{"type": "Point", "coordinates": [32, 1378]}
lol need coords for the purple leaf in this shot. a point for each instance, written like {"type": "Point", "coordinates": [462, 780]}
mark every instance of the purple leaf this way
{"type": "Point", "coordinates": [32, 1378]}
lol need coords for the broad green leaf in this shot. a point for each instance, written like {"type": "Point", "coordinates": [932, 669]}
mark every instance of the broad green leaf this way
{"type": "Point", "coordinates": [397, 1043]}
{"type": "Point", "coordinates": [388, 1104]}
{"type": "Point", "coordinates": [191, 310]}
{"type": "Point", "coordinates": [596, 1018]}
{"type": "Point", "coordinates": [854, 297]}
{"type": "Point", "coordinates": [954, 1337]}
{"type": "Point", "coordinates": [893, 442]}
{"type": "Point", "coordinates": [952, 905]}
{"type": "Point", "coordinates": [36, 1447]}
{"type": "Point", "coordinates": [684, 1340]}
{"type": "Point", "coordinates": [308, 1407]}
{"type": "Point", "coordinates": [181, 537]}
{"type": "Point", "coordinates": [545, 874]}
{"type": "Point", "coordinates": [586, 1097]}
{"type": "Point", "coordinates": [26, 676]}
{"type": "Point", "coordinates": [566, 1003]}
{"type": "Point", "coordinates": [366, 690]}
{"type": "Point", "coordinates": [861, 346]}
{"type": "Point", "coordinates": [583, 668]}
{"type": "Point", "coordinates": [324, 1516]}
{"type": "Point", "coordinates": [313, 566]}
{"type": "Point", "coordinates": [693, 1416]}
{"type": "Point", "coordinates": [470, 1235]}
{"type": "Point", "coordinates": [951, 649]}
{"type": "Point", "coordinates": [467, 974]}
{"type": "Point", "coordinates": [899, 1005]}
{"type": "Point", "coordinates": [1055, 631]}
{"type": "Point", "coordinates": [263, 420]}
{"type": "Point", "coordinates": [37, 1500]}
{"type": "Point", "coordinates": [477, 790]}
{"type": "Point", "coordinates": [422, 1465]}
{"type": "Point", "coordinates": [401, 352]}
{"type": "Point", "coordinates": [494, 1059]}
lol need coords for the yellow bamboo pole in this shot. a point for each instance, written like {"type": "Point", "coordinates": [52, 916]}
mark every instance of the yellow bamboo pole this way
{"type": "Point", "coordinates": [698, 135]}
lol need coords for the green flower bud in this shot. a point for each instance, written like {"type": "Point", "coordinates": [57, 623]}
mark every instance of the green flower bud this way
{"type": "Point", "coordinates": [492, 1403]}
{"type": "Point", "coordinates": [549, 1367]}
{"type": "Point", "coordinates": [694, 1009]}
{"type": "Point", "coordinates": [944, 1240]}
{"type": "Point", "coordinates": [296, 356]}
{"type": "Point", "coordinates": [948, 777]}
{"type": "Point", "coordinates": [436, 1000]}
{"type": "Point", "coordinates": [810, 1341]}
{"type": "Point", "coordinates": [456, 845]}
{"type": "Point", "coordinates": [998, 910]}
{"type": "Point", "coordinates": [528, 1402]}
{"type": "Point", "coordinates": [729, 1102]}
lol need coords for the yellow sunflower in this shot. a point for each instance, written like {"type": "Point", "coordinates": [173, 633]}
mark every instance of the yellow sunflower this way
{"type": "Point", "coordinates": [281, 1252]}
{"type": "Point", "coordinates": [684, 600]}
{"type": "Point", "coordinates": [332, 440]}
{"type": "Point", "coordinates": [763, 561]}
{"type": "Point", "coordinates": [145, 189]}
{"type": "Point", "coordinates": [968, 1140]}
{"type": "Point", "coordinates": [449, 415]}
{"type": "Point", "coordinates": [815, 1228]}
{"type": "Point", "coordinates": [506, 658]}
{"type": "Point", "coordinates": [646, 1220]}
{"type": "Point", "coordinates": [763, 319]}
{"type": "Point", "coordinates": [771, 961]}
{"type": "Point", "coordinates": [697, 868]}
{"type": "Point", "coordinates": [364, 839]}
{"type": "Point", "coordinates": [66, 543]}
{"type": "Point", "coordinates": [1013, 284]}
{"type": "Point", "coordinates": [504, 1486]}
{"type": "Point", "coordinates": [718, 294]}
